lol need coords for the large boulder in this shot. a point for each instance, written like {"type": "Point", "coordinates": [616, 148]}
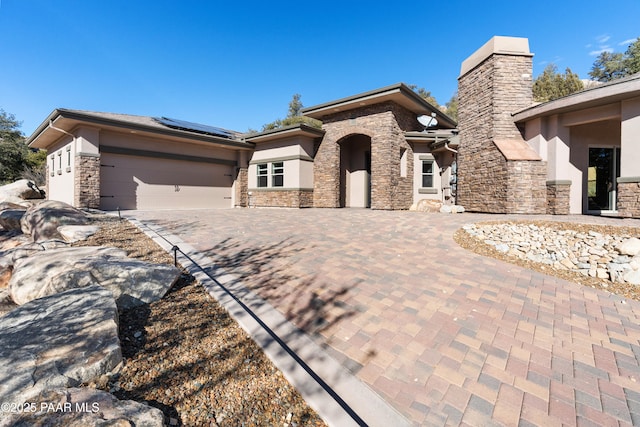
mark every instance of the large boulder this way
{"type": "Point", "coordinates": [62, 340]}
{"type": "Point", "coordinates": [10, 219]}
{"type": "Point", "coordinates": [8, 257]}
{"type": "Point", "coordinates": [426, 205]}
{"type": "Point", "coordinates": [132, 282]}
{"type": "Point", "coordinates": [10, 205]}
{"type": "Point", "coordinates": [85, 407]}
{"type": "Point", "coordinates": [630, 246]}
{"type": "Point", "coordinates": [11, 239]}
{"type": "Point", "coordinates": [6, 269]}
{"type": "Point", "coordinates": [41, 221]}
{"type": "Point", "coordinates": [21, 189]}
{"type": "Point", "coordinates": [75, 233]}
{"type": "Point", "coordinates": [632, 277]}
{"type": "Point", "coordinates": [6, 303]}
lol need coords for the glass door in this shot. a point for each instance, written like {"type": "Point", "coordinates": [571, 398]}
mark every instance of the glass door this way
{"type": "Point", "coordinates": [604, 169]}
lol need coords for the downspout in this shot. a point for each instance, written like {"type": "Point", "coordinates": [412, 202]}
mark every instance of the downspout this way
{"type": "Point", "coordinates": [61, 130]}
{"type": "Point", "coordinates": [449, 148]}
{"type": "Point", "coordinates": [455, 152]}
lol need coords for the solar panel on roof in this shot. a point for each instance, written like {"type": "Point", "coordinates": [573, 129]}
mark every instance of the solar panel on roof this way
{"type": "Point", "coordinates": [194, 127]}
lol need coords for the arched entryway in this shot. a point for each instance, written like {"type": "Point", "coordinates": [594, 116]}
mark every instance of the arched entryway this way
{"type": "Point", "coordinates": [355, 171]}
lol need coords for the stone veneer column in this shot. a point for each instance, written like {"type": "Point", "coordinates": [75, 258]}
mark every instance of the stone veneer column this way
{"type": "Point", "coordinates": [629, 197]}
{"type": "Point", "coordinates": [558, 197]}
{"type": "Point", "coordinates": [242, 188]}
{"type": "Point", "coordinates": [326, 171]}
{"type": "Point", "coordinates": [86, 192]}
{"type": "Point", "coordinates": [526, 187]}
{"type": "Point", "coordinates": [495, 82]}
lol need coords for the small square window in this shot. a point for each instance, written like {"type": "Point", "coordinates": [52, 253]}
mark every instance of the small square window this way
{"type": "Point", "coordinates": [427, 174]}
{"type": "Point", "coordinates": [262, 175]}
{"type": "Point", "coordinates": [277, 174]}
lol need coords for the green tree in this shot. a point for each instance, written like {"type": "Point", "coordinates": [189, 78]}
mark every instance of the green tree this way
{"type": "Point", "coordinates": [35, 167]}
{"type": "Point", "coordinates": [632, 58]}
{"type": "Point", "coordinates": [614, 65]}
{"type": "Point", "coordinates": [9, 127]}
{"type": "Point", "coordinates": [12, 148]}
{"type": "Point", "coordinates": [552, 85]}
{"type": "Point", "coordinates": [295, 105]}
{"type": "Point", "coordinates": [608, 66]}
{"type": "Point", "coordinates": [426, 95]}
{"type": "Point", "coordinates": [452, 107]}
{"type": "Point", "coordinates": [16, 159]}
{"type": "Point", "coordinates": [294, 117]}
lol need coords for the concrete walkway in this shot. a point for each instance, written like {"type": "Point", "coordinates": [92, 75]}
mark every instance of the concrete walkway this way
{"type": "Point", "coordinates": [445, 336]}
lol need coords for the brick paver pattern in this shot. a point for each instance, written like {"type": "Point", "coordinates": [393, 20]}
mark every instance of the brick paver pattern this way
{"type": "Point", "coordinates": [446, 336]}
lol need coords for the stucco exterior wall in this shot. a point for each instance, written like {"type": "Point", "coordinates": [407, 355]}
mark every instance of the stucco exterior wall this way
{"type": "Point", "coordinates": [146, 143]}
{"type": "Point", "coordinates": [298, 146]}
{"type": "Point", "coordinates": [630, 138]}
{"type": "Point", "coordinates": [583, 137]}
{"type": "Point", "coordinates": [296, 156]}
{"type": "Point", "coordinates": [61, 166]}
{"type": "Point", "coordinates": [423, 152]}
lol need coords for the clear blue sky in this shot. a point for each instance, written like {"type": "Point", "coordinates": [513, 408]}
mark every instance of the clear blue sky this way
{"type": "Point", "coordinates": [236, 64]}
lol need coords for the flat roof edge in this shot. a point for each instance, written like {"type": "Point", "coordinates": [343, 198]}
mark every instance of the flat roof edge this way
{"type": "Point", "coordinates": [497, 45]}
{"type": "Point", "coordinates": [89, 118]}
{"type": "Point", "coordinates": [287, 130]}
{"type": "Point", "coordinates": [349, 99]}
{"type": "Point", "coordinates": [625, 88]}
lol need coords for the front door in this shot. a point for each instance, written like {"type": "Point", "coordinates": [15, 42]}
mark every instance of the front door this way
{"type": "Point", "coordinates": [355, 172]}
{"type": "Point", "coordinates": [604, 169]}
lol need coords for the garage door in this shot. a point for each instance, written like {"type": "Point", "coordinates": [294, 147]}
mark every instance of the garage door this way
{"type": "Point", "coordinates": [134, 182]}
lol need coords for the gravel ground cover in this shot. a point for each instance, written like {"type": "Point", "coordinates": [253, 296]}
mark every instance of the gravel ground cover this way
{"type": "Point", "coordinates": [187, 357]}
{"type": "Point", "coordinates": [624, 289]}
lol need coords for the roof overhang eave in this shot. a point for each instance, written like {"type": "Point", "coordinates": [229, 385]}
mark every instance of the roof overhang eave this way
{"type": "Point", "coordinates": [439, 141]}
{"type": "Point", "coordinates": [69, 120]}
{"type": "Point", "coordinates": [398, 93]}
{"type": "Point", "coordinates": [285, 132]}
{"type": "Point", "coordinates": [595, 97]}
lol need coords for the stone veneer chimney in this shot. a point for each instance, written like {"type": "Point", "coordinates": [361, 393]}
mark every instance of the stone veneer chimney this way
{"type": "Point", "coordinates": [497, 171]}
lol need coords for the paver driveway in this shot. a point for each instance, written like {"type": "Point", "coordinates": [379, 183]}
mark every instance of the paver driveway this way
{"type": "Point", "coordinates": [446, 336]}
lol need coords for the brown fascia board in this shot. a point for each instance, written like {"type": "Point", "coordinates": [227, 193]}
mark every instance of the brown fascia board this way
{"type": "Point", "coordinates": [436, 139]}
{"type": "Point", "coordinates": [287, 131]}
{"type": "Point", "coordinates": [607, 93]}
{"type": "Point", "coordinates": [96, 119]}
{"type": "Point", "coordinates": [399, 93]}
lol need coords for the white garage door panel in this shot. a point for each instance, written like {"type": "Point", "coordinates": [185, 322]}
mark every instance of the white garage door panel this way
{"type": "Point", "coordinates": [132, 182]}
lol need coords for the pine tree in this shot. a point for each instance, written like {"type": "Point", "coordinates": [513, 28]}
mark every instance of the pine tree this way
{"type": "Point", "coordinates": [552, 85]}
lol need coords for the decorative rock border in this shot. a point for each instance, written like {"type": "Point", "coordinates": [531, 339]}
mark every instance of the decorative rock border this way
{"type": "Point", "coordinates": [611, 257]}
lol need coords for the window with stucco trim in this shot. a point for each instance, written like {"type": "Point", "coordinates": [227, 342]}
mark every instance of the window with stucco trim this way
{"type": "Point", "coordinates": [68, 169]}
{"type": "Point", "coordinates": [427, 174]}
{"type": "Point", "coordinates": [277, 174]}
{"type": "Point", "coordinates": [262, 174]}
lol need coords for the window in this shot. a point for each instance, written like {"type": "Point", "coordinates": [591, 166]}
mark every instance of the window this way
{"type": "Point", "coordinates": [68, 159]}
{"type": "Point", "coordinates": [277, 174]}
{"type": "Point", "coordinates": [427, 174]}
{"type": "Point", "coordinates": [262, 175]}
